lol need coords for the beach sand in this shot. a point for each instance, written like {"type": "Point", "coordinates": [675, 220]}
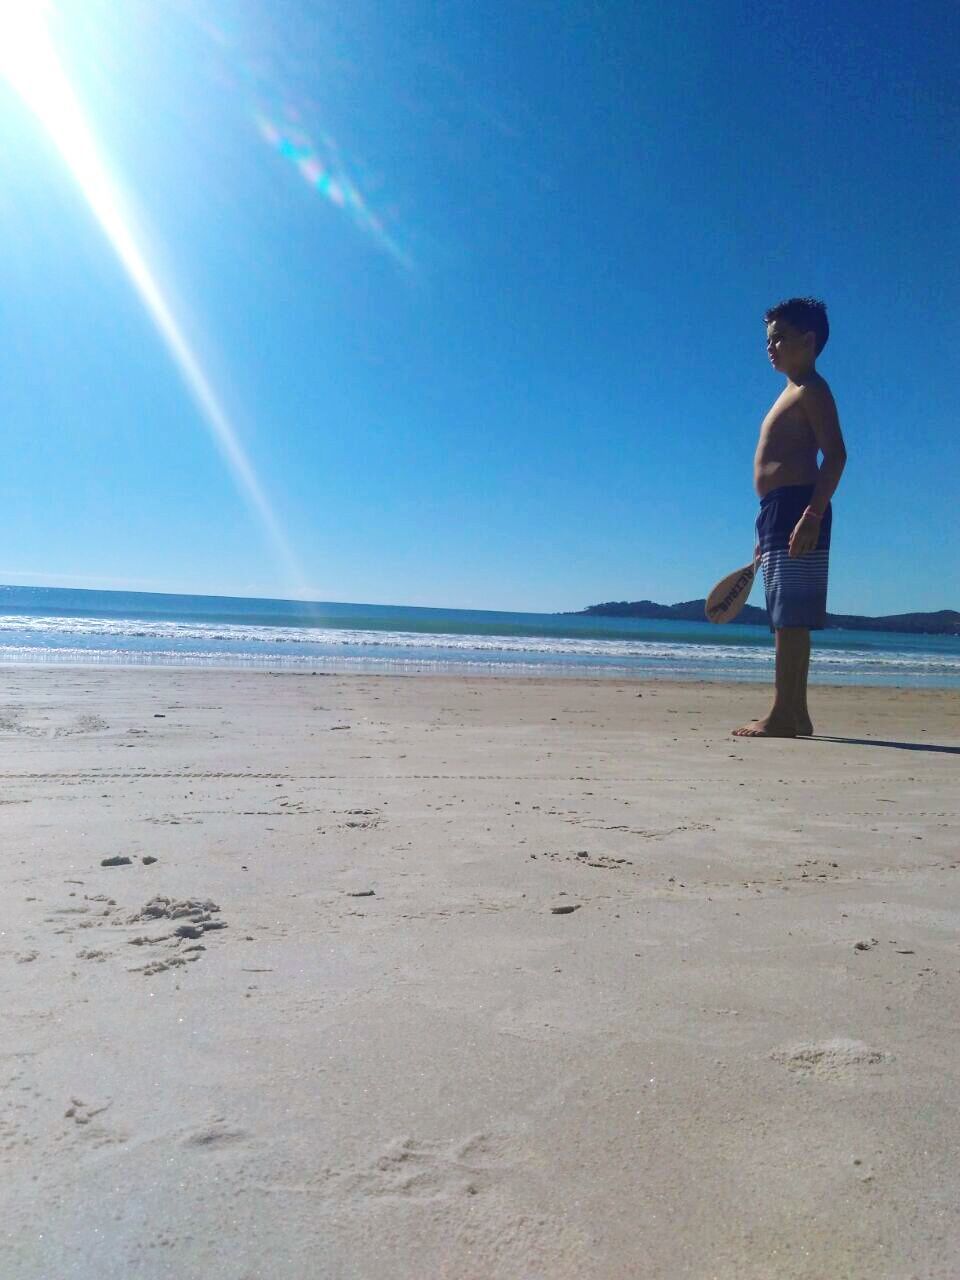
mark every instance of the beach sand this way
{"type": "Point", "coordinates": [515, 978]}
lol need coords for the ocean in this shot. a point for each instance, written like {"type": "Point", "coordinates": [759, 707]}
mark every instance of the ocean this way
{"type": "Point", "coordinates": [57, 625]}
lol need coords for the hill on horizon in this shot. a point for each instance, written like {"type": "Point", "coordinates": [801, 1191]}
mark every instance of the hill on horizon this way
{"type": "Point", "coordinates": [942, 622]}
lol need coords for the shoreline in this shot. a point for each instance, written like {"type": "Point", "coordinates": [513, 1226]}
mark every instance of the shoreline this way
{"type": "Point", "coordinates": [479, 671]}
{"type": "Point", "coordinates": [474, 978]}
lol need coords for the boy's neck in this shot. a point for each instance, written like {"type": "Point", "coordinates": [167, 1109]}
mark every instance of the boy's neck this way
{"type": "Point", "coordinates": [800, 376]}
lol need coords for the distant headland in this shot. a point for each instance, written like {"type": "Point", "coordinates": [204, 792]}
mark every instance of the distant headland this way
{"type": "Point", "coordinates": [944, 622]}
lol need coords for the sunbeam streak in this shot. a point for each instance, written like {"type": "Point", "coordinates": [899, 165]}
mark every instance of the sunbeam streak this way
{"type": "Point", "coordinates": [28, 61]}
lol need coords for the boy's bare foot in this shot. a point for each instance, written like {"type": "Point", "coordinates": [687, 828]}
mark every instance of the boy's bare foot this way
{"type": "Point", "coordinates": [770, 726]}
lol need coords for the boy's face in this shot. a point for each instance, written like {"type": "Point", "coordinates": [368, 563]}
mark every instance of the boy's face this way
{"type": "Point", "coordinates": [787, 347]}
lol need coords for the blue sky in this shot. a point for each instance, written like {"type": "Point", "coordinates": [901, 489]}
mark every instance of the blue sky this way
{"type": "Point", "coordinates": [478, 288]}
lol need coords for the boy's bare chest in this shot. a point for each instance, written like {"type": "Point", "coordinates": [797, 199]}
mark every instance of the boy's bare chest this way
{"type": "Point", "coordinates": [785, 427]}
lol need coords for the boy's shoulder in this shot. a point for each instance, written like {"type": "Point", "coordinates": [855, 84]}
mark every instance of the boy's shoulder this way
{"type": "Point", "coordinates": [815, 391]}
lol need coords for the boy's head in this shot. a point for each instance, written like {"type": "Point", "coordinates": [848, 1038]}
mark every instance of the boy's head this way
{"type": "Point", "coordinates": [797, 331]}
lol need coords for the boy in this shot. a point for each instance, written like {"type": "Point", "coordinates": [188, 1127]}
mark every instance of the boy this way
{"type": "Point", "coordinates": [793, 528]}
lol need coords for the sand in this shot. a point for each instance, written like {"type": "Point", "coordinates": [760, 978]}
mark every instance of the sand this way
{"type": "Point", "coordinates": [480, 979]}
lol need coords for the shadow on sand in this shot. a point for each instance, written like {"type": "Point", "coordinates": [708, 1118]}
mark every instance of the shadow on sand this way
{"type": "Point", "coordinates": [879, 742]}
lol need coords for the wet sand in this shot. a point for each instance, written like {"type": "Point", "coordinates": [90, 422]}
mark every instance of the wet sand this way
{"type": "Point", "coordinates": [479, 979]}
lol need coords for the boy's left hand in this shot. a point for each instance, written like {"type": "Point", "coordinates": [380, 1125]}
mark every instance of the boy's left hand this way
{"type": "Point", "coordinates": [805, 536]}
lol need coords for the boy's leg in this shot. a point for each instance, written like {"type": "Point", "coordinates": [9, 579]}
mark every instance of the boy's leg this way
{"type": "Point", "coordinates": [789, 704]}
{"type": "Point", "coordinates": [804, 723]}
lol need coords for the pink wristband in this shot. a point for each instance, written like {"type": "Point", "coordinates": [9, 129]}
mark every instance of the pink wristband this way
{"type": "Point", "coordinates": [810, 512]}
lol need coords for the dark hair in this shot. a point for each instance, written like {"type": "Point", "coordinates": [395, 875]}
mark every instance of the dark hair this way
{"type": "Point", "coordinates": [809, 315]}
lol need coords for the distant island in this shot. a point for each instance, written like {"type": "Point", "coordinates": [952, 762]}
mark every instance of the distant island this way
{"type": "Point", "coordinates": [944, 622]}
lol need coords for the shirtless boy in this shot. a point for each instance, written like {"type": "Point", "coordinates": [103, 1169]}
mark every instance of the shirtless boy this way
{"type": "Point", "coordinates": [793, 528]}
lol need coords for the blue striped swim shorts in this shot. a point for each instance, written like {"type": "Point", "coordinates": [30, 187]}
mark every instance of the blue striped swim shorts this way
{"type": "Point", "coordinates": [796, 589]}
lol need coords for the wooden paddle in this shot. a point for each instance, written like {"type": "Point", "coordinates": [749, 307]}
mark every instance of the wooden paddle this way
{"type": "Point", "coordinates": [730, 594]}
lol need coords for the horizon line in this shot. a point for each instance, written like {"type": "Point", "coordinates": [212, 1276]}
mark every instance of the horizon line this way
{"type": "Point", "coordinates": [302, 600]}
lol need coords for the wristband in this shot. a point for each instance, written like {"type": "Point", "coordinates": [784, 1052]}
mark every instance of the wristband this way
{"type": "Point", "coordinates": [810, 512]}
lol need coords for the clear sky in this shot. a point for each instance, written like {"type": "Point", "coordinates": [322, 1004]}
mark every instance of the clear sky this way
{"type": "Point", "coordinates": [461, 303]}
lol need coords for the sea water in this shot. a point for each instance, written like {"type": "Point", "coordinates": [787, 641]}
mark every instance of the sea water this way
{"type": "Point", "coordinates": [65, 626]}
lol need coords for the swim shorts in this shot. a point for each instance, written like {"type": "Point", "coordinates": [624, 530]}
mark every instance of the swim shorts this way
{"type": "Point", "coordinates": [796, 589]}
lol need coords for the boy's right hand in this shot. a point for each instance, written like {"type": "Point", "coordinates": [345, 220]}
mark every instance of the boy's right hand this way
{"type": "Point", "coordinates": [805, 535]}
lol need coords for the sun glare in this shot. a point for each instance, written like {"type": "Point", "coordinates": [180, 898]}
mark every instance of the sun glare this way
{"type": "Point", "coordinates": [29, 62]}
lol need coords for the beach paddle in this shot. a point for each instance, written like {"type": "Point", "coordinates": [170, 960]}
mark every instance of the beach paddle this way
{"type": "Point", "coordinates": [730, 594]}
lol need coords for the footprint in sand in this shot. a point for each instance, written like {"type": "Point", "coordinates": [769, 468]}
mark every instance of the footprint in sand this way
{"type": "Point", "coordinates": [191, 918]}
{"type": "Point", "coordinates": [84, 1116]}
{"type": "Point", "coordinates": [48, 728]}
{"type": "Point", "coordinates": [425, 1169]}
{"type": "Point", "coordinates": [82, 724]}
{"type": "Point", "coordinates": [81, 1112]}
{"type": "Point", "coordinates": [13, 723]}
{"type": "Point", "coordinates": [363, 819]}
{"type": "Point", "coordinates": [213, 1137]}
{"type": "Point", "coordinates": [829, 1059]}
{"type": "Point", "coordinates": [180, 923]}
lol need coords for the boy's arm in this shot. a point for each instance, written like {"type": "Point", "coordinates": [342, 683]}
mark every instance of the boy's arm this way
{"type": "Point", "coordinates": [822, 415]}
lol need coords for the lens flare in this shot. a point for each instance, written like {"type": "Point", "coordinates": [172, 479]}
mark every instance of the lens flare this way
{"type": "Point", "coordinates": [323, 169]}
{"type": "Point", "coordinates": [29, 62]}
{"type": "Point", "coordinates": [320, 161]}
